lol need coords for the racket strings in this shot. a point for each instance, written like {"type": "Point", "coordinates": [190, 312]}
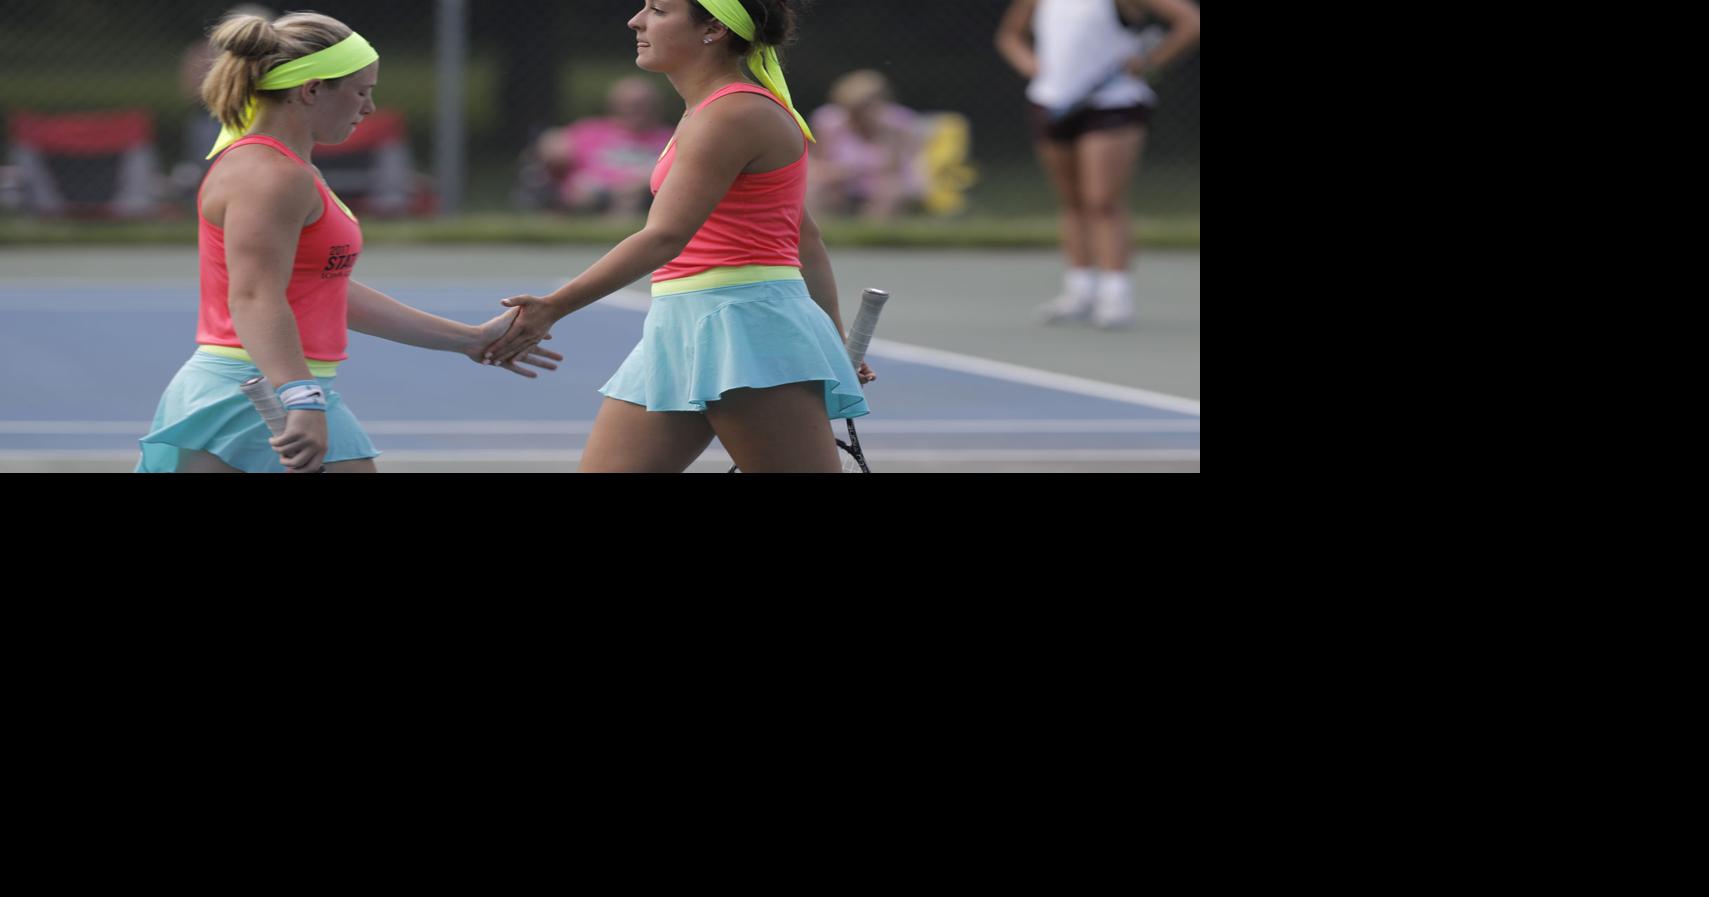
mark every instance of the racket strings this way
{"type": "Point", "coordinates": [852, 463]}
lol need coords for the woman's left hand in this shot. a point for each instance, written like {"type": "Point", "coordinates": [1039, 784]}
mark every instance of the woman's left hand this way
{"type": "Point", "coordinates": [865, 374]}
{"type": "Point", "coordinates": [492, 331]}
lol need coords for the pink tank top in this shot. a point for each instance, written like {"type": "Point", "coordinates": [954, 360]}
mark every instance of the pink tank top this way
{"type": "Point", "coordinates": [758, 222]}
{"type": "Point", "coordinates": [320, 276]}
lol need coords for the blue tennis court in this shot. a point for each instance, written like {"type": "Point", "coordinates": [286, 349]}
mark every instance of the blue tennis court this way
{"type": "Point", "coordinates": [87, 360]}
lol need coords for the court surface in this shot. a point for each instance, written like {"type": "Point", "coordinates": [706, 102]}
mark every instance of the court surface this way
{"type": "Point", "coordinates": [967, 382]}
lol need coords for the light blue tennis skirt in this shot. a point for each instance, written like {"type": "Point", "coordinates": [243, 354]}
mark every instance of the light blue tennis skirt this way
{"type": "Point", "coordinates": [696, 346]}
{"type": "Point", "coordinates": [203, 409]}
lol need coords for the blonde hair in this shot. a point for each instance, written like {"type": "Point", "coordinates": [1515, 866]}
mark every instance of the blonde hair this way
{"type": "Point", "coordinates": [249, 47]}
{"type": "Point", "coordinates": [857, 87]}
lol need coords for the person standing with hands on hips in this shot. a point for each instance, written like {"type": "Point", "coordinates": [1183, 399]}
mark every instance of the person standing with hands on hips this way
{"type": "Point", "coordinates": [1089, 105]}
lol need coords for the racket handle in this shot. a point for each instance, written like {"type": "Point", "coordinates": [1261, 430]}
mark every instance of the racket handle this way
{"type": "Point", "coordinates": [865, 322]}
{"type": "Point", "coordinates": [266, 401]}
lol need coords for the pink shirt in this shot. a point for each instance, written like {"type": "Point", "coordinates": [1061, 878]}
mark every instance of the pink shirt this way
{"type": "Point", "coordinates": [320, 275]}
{"type": "Point", "coordinates": [606, 156]}
{"type": "Point", "coordinates": [843, 146]}
{"type": "Point", "coordinates": [758, 222]}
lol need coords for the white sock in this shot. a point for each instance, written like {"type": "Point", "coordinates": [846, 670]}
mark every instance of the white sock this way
{"type": "Point", "coordinates": [1114, 285]}
{"type": "Point", "coordinates": [1081, 283]}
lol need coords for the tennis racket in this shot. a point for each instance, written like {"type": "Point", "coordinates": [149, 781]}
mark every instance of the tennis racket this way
{"type": "Point", "coordinates": [860, 336]}
{"type": "Point", "coordinates": [266, 401]}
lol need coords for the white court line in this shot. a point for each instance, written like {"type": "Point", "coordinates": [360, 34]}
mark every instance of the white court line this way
{"type": "Point", "coordinates": [985, 367]}
{"type": "Point", "coordinates": [1118, 425]}
{"type": "Point", "coordinates": [1002, 370]}
{"type": "Point", "coordinates": [539, 457]}
{"type": "Point", "coordinates": [631, 299]}
{"type": "Point", "coordinates": [72, 428]}
{"type": "Point", "coordinates": [584, 427]}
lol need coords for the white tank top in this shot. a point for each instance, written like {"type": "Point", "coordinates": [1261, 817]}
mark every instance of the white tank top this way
{"type": "Point", "coordinates": [1080, 45]}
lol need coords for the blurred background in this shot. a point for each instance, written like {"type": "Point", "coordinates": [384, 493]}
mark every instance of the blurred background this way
{"type": "Point", "coordinates": [503, 73]}
{"type": "Point", "coordinates": [481, 174]}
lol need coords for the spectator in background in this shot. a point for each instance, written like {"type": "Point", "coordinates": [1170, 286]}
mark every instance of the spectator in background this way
{"type": "Point", "coordinates": [866, 160]}
{"type": "Point", "coordinates": [200, 128]}
{"type": "Point", "coordinates": [1089, 63]}
{"type": "Point", "coordinates": [602, 164]}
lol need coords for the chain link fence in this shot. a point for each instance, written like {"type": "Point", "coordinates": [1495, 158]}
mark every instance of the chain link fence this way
{"type": "Point", "coordinates": [98, 108]}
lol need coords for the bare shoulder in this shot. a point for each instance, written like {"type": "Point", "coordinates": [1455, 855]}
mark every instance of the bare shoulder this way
{"type": "Point", "coordinates": [749, 113]}
{"type": "Point", "coordinates": [261, 172]}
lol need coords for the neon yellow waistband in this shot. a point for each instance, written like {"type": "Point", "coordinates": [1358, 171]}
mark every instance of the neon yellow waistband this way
{"type": "Point", "coordinates": [316, 367]}
{"type": "Point", "coordinates": [714, 278]}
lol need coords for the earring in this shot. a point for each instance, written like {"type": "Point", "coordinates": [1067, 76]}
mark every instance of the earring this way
{"type": "Point", "coordinates": [707, 41]}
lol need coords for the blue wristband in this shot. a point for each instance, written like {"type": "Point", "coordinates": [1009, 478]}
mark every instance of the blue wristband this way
{"type": "Point", "coordinates": [302, 395]}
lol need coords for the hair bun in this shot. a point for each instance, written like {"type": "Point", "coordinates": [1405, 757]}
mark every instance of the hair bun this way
{"type": "Point", "coordinates": [775, 24]}
{"type": "Point", "coordinates": [247, 37]}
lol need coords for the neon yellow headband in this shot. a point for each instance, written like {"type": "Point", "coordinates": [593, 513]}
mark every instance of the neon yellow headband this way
{"type": "Point", "coordinates": [347, 57]}
{"type": "Point", "coordinates": [763, 60]}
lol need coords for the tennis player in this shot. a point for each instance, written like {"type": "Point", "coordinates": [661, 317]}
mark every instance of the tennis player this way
{"type": "Point", "coordinates": [744, 340]}
{"type": "Point", "coordinates": [277, 250]}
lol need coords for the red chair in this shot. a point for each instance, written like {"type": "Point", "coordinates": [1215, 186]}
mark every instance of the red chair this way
{"type": "Point", "coordinates": [374, 171]}
{"type": "Point", "coordinates": [86, 164]}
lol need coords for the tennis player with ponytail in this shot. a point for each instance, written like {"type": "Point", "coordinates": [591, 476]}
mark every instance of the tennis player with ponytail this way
{"type": "Point", "coordinates": [277, 250]}
{"type": "Point", "coordinates": [744, 340]}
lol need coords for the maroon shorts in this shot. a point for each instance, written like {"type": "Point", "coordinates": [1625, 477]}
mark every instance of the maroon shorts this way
{"type": "Point", "coordinates": [1084, 122]}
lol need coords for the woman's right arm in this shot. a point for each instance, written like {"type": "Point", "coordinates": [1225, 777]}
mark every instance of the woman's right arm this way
{"type": "Point", "coordinates": [262, 222]}
{"type": "Point", "coordinates": [1014, 38]}
{"type": "Point", "coordinates": [711, 150]}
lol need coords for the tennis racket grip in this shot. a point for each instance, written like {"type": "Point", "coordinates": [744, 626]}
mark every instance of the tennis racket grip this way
{"type": "Point", "coordinates": [266, 401]}
{"type": "Point", "coordinates": [865, 322]}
